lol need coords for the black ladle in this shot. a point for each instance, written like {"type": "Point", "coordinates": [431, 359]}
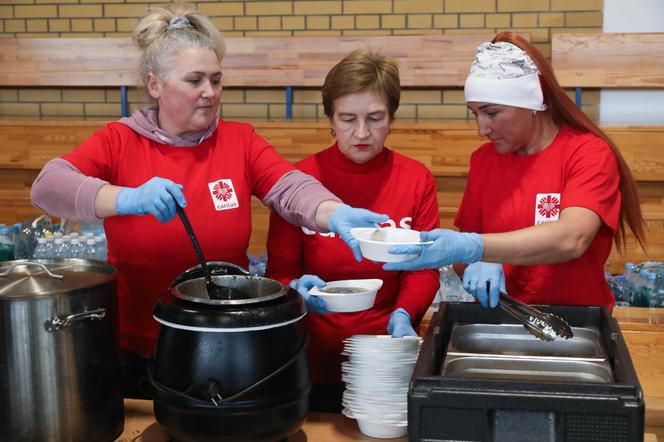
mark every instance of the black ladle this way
{"type": "Point", "coordinates": [214, 291]}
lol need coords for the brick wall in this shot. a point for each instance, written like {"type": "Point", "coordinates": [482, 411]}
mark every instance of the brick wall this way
{"type": "Point", "coordinates": [99, 18]}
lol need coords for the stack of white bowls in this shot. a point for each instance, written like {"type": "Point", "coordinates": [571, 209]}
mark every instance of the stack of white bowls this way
{"type": "Point", "coordinates": [377, 374]}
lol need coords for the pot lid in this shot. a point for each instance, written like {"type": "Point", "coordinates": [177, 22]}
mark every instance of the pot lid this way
{"type": "Point", "coordinates": [43, 277]}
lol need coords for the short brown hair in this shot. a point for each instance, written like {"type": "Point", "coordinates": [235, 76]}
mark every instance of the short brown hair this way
{"type": "Point", "coordinates": [359, 71]}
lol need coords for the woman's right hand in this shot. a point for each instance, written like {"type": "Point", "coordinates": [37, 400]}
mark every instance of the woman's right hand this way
{"type": "Point", "coordinates": [157, 196]}
{"type": "Point", "coordinates": [306, 283]}
{"type": "Point", "coordinates": [448, 247]}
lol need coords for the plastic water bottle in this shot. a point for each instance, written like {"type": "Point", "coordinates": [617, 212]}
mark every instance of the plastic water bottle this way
{"type": "Point", "coordinates": [76, 248]}
{"type": "Point", "coordinates": [640, 296]}
{"type": "Point", "coordinates": [7, 248]}
{"type": "Point", "coordinates": [451, 288]}
{"type": "Point", "coordinates": [257, 264]}
{"type": "Point", "coordinates": [659, 291]}
{"type": "Point", "coordinates": [22, 249]}
{"type": "Point", "coordinates": [41, 250]}
{"type": "Point", "coordinates": [618, 285]}
{"type": "Point", "coordinates": [649, 294]}
{"type": "Point", "coordinates": [90, 251]}
{"type": "Point", "coordinates": [50, 246]}
{"type": "Point", "coordinates": [60, 248]}
{"type": "Point", "coordinates": [102, 252]}
{"type": "Point", "coordinates": [629, 274]}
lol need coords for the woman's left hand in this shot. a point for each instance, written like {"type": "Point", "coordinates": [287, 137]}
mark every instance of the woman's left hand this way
{"type": "Point", "coordinates": [400, 325]}
{"type": "Point", "coordinates": [346, 217]}
{"type": "Point", "coordinates": [485, 281]}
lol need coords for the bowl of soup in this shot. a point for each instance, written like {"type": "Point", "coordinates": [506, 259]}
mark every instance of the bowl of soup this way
{"type": "Point", "coordinates": [375, 243]}
{"type": "Point", "coordinates": [350, 295]}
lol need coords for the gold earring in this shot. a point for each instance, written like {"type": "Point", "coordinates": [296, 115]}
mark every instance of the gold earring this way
{"type": "Point", "coordinates": [334, 134]}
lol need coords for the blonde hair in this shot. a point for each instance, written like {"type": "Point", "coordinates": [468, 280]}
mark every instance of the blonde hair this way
{"type": "Point", "coordinates": [361, 70]}
{"type": "Point", "coordinates": [167, 29]}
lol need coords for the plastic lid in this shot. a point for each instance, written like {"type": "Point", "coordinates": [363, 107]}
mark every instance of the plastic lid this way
{"type": "Point", "coordinates": [90, 242]}
{"type": "Point", "coordinates": [41, 240]}
{"type": "Point", "coordinates": [4, 231]}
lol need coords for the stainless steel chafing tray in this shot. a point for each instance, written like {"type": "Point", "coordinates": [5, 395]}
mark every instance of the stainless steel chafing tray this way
{"type": "Point", "coordinates": [513, 340]}
{"type": "Point", "coordinates": [532, 369]}
{"type": "Point", "coordinates": [508, 351]}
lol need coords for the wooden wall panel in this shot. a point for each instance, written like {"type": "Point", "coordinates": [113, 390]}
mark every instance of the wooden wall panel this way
{"type": "Point", "coordinates": [610, 60]}
{"type": "Point", "coordinates": [424, 60]}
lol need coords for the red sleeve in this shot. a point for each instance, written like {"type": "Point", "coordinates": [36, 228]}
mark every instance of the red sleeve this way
{"type": "Point", "coordinates": [417, 289]}
{"type": "Point", "coordinates": [98, 155]}
{"type": "Point", "coordinates": [284, 250]}
{"type": "Point", "coordinates": [593, 180]}
{"type": "Point", "coordinates": [265, 165]}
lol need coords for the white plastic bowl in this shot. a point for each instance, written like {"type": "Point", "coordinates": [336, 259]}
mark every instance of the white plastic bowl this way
{"type": "Point", "coordinates": [382, 430]}
{"type": "Point", "coordinates": [379, 250]}
{"type": "Point", "coordinates": [350, 302]}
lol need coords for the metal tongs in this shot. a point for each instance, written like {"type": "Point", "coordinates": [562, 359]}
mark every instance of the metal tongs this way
{"type": "Point", "coordinates": [545, 326]}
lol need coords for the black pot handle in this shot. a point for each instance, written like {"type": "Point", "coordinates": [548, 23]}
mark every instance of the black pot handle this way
{"type": "Point", "coordinates": [211, 388]}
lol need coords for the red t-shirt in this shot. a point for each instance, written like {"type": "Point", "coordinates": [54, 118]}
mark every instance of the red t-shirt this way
{"type": "Point", "coordinates": [507, 192]}
{"type": "Point", "coordinates": [391, 184]}
{"type": "Point", "coordinates": [219, 177]}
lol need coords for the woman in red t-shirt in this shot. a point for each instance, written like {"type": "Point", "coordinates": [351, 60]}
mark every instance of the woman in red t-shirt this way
{"type": "Point", "coordinates": [178, 152]}
{"type": "Point", "coordinates": [360, 97]}
{"type": "Point", "coordinates": [546, 195]}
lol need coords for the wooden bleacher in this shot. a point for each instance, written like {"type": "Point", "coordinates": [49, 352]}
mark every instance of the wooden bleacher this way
{"type": "Point", "coordinates": [432, 61]}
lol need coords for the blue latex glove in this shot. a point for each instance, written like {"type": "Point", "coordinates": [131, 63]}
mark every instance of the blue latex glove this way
{"type": "Point", "coordinates": [303, 285]}
{"type": "Point", "coordinates": [157, 196]}
{"type": "Point", "coordinates": [399, 324]}
{"type": "Point", "coordinates": [346, 217]}
{"type": "Point", "coordinates": [448, 247]}
{"type": "Point", "coordinates": [477, 276]}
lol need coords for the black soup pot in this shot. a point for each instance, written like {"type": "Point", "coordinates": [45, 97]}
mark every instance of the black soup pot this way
{"type": "Point", "coordinates": [230, 369]}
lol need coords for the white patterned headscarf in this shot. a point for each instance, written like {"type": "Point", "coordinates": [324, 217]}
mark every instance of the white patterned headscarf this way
{"type": "Point", "coordinates": [503, 73]}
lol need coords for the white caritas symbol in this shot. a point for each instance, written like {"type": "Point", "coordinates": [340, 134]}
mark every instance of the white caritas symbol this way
{"type": "Point", "coordinates": [223, 194]}
{"type": "Point", "coordinates": [547, 207]}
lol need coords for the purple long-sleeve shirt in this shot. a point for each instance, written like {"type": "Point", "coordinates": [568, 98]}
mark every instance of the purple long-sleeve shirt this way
{"type": "Point", "coordinates": [62, 190]}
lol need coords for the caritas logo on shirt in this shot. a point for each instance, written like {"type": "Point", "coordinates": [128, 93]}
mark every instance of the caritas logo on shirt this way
{"type": "Point", "coordinates": [223, 194]}
{"type": "Point", "coordinates": [547, 207]}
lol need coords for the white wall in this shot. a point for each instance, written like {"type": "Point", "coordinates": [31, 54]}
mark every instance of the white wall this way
{"type": "Point", "coordinates": [633, 106]}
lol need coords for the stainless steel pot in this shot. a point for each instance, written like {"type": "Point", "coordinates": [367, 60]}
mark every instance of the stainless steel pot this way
{"type": "Point", "coordinates": [59, 360]}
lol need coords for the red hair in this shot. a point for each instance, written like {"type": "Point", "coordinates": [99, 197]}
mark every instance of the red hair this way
{"type": "Point", "coordinates": [563, 111]}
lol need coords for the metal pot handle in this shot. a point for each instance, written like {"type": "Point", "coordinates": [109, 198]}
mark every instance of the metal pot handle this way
{"type": "Point", "coordinates": [211, 386]}
{"type": "Point", "coordinates": [59, 322]}
{"type": "Point", "coordinates": [26, 263]}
